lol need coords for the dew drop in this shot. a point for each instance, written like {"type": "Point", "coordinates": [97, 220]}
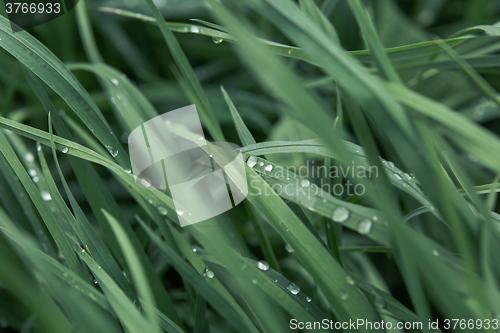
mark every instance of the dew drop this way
{"type": "Point", "coordinates": [268, 167]}
{"type": "Point", "coordinates": [114, 81]}
{"type": "Point", "coordinates": [45, 195]}
{"type": "Point", "coordinates": [364, 226]}
{"type": "Point", "coordinates": [407, 176]}
{"type": "Point", "coordinates": [343, 295]}
{"type": "Point", "coordinates": [263, 265]}
{"type": "Point", "coordinates": [349, 280]}
{"type": "Point", "coordinates": [479, 112]}
{"type": "Point", "coordinates": [252, 161]}
{"type": "Point", "coordinates": [39, 147]}
{"type": "Point", "coordinates": [436, 253]}
{"type": "Point", "coordinates": [304, 183]}
{"type": "Point", "coordinates": [398, 177]}
{"type": "Point", "coordinates": [95, 281]}
{"type": "Point", "coordinates": [340, 214]}
{"type": "Point", "coordinates": [112, 150]}
{"type": "Point", "coordinates": [32, 172]}
{"type": "Point", "coordinates": [64, 150]}
{"type": "Point", "coordinates": [179, 212]}
{"type": "Point", "coordinates": [208, 274]}
{"type": "Point", "coordinates": [144, 182]}
{"type": "Point", "coordinates": [391, 164]}
{"type": "Point", "coordinates": [162, 210]}
{"type": "Point", "coordinates": [194, 29]}
{"type": "Point", "coordinates": [261, 163]}
{"type": "Point", "coordinates": [200, 138]}
{"type": "Point", "coordinates": [29, 157]}
{"type": "Point", "coordinates": [36, 179]}
{"type": "Point", "coordinates": [242, 265]}
{"type": "Point", "coordinates": [127, 170]}
{"type": "Point", "coordinates": [254, 281]}
{"type": "Point", "coordinates": [380, 302]}
{"type": "Point", "coordinates": [288, 248]}
{"type": "Point", "coordinates": [150, 201]}
{"type": "Point", "coordinates": [293, 288]}
{"type": "Point", "coordinates": [217, 40]}
{"type": "Point", "coordinates": [308, 299]}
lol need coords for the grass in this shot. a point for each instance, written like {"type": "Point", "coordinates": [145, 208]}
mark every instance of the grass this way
{"type": "Point", "coordinates": [394, 102]}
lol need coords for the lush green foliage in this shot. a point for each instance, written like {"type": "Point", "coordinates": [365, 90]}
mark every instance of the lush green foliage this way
{"type": "Point", "coordinates": [302, 86]}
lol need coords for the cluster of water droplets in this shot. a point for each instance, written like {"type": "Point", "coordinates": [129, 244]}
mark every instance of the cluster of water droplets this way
{"type": "Point", "coordinates": [342, 214]}
{"type": "Point", "coordinates": [112, 150]}
{"type": "Point", "coordinates": [252, 161]}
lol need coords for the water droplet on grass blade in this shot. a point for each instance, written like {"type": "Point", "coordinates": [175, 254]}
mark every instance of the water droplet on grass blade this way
{"type": "Point", "coordinates": [252, 161]}
{"type": "Point", "coordinates": [305, 183]}
{"type": "Point", "coordinates": [29, 157]}
{"type": "Point", "coordinates": [144, 182]}
{"type": "Point", "coordinates": [179, 212]}
{"type": "Point", "coordinates": [45, 195]}
{"type": "Point", "coordinates": [114, 81]}
{"type": "Point", "coordinates": [349, 280]}
{"type": "Point", "coordinates": [217, 40]}
{"type": "Point", "coordinates": [340, 214]}
{"type": "Point", "coordinates": [288, 248]}
{"type": "Point", "coordinates": [32, 172]}
{"type": "Point", "coordinates": [127, 170]}
{"type": "Point", "coordinates": [64, 150]}
{"type": "Point", "coordinates": [208, 274]}
{"type": "Point", "coordinates": [112, 150]}
{"type": "Point", "coordinates": [380, 302]}
{"type": "Point", "coordinates": [268, 167]}
{"type": "Point", "coordinates": [194, 29]}
{"type": "Point", "coordinates": [436, 253]}
{"type": "Point", "coordinates": [162, 210]}
{"type": "Point", "coordinates": [263, 265]}
{"type": "Point", "coordinates": [343, 295]}
{"type": "Point", "coordinates": [308, 299]}
{"type": "Point", "coordinates": [364, 226]}
{"type": "Point", "coordinates": [293, 288]}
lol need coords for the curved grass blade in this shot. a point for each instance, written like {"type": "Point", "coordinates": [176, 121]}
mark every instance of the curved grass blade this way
{"type": "Point", "coordinates": [38, 59]}
{"type": "Point", "coordinates": [206, 113]}
{"type": "Point", "coordinates": [198, 283]}
{"type": "Point", "coordinates": [137, 271]}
